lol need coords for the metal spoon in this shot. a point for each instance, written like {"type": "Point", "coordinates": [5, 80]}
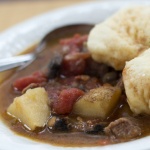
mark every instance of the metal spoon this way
{"type": "Point", "coordinates": [16, 61]}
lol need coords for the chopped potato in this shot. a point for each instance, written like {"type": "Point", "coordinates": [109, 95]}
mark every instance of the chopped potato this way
{"type": "Point", "coordinates": [98, 102]}
{"type": "Point", "coordinates": [31, 108]}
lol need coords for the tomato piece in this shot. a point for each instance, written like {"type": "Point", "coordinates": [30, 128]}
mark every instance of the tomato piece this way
{"type": "Point", "coordinates": [66, 100]}
{"type": "Point", "coordinates": [36, 77]}
{"type": "Point", "coordinates": [39, 74]}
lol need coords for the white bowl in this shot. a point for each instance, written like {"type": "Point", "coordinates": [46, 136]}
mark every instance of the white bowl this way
{"type": "Point", "coordinates": [22, 36]}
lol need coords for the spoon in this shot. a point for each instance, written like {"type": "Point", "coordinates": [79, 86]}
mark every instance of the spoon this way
{"type": "Point", "coordinates": [16, 61]}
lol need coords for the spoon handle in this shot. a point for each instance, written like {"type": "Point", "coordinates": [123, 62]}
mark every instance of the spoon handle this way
{"type": "Point", "coordinates": [16, 61]}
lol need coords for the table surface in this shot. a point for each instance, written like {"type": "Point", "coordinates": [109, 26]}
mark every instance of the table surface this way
{"type": "Point", "coordinates": [16, 11]}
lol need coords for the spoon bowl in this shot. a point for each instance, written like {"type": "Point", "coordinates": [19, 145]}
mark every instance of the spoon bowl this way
{"type": "Point", "coordinates": [60, 32]}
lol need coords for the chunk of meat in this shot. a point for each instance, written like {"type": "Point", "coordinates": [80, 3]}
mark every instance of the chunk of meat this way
{"type": "Point", "coordinates": [124, 128]}
{"type": "Point", "coordinates": [74, 64]}
{"type": "Point", "coordinates": [73, 67]}
{"type": "Point", "coordinates": [36, 77]}
{"type": "Point", "coordinates": [66, 100]}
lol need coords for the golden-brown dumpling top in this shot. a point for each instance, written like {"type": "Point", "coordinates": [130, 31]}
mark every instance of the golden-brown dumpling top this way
{"type": "Point", "coordinates": [121, 37]}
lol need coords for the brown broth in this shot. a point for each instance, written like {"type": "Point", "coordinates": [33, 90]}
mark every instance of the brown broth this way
{"type": "Point", "coordinates": [44, 135]}
{"type": "Point", "coordinates": [65, 139]}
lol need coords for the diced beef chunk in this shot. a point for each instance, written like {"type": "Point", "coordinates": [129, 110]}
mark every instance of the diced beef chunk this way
{"type": "Point", "coordinates": [73, 67]}
{"type": "Point", "coordinates": [74, 64]}
{"type": "Point", "coordinates": [124, 128]}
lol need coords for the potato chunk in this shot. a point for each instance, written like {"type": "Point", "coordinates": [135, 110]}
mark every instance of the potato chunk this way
{"type": "Point", "coordinates": [98, 102]}
{"type": "Point", "coordinates": [31, 108]}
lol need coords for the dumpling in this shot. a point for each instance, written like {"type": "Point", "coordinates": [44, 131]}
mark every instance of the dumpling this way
{"type": "Point", "coordinates": [121, 37]}
{"type": "Point", "coordinates": [136, 78]}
